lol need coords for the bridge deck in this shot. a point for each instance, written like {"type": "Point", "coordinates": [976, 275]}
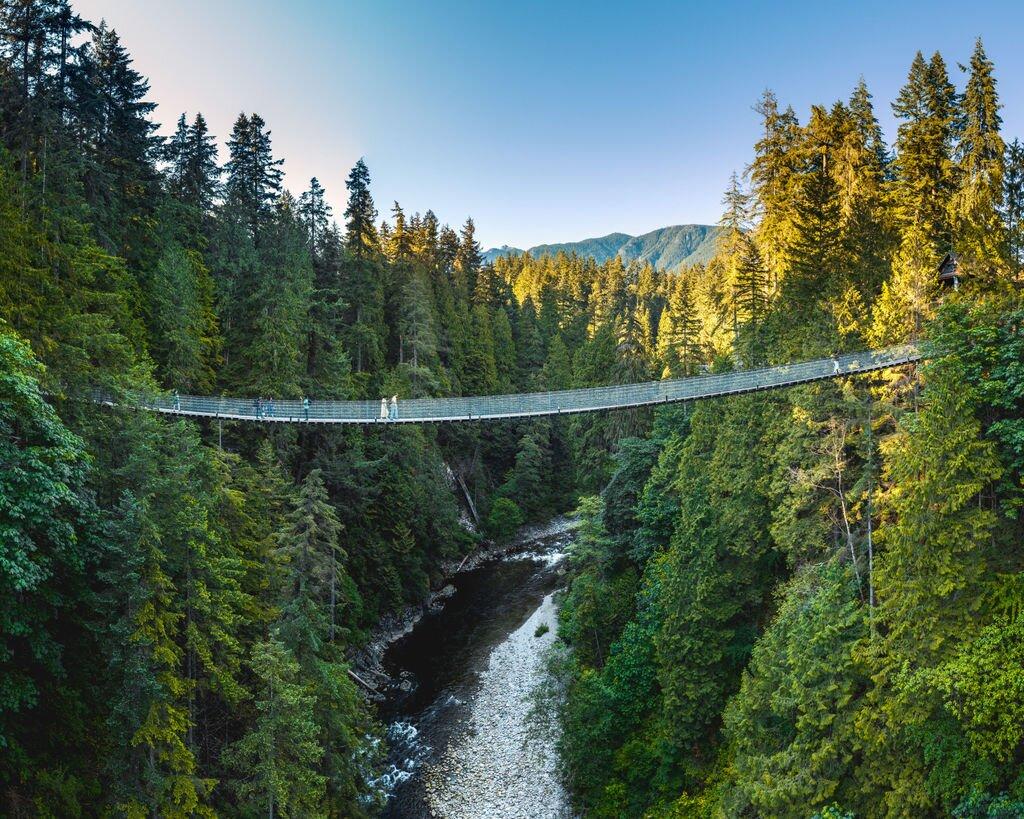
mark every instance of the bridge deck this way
{"type": "Point", "coordinates": [563, 402]}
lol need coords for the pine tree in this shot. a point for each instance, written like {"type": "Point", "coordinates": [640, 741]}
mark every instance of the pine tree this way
{"type": "Point", "coordinates": [328, 367]}
{"type": "Point", "coordinates": [751, 303]}
{"type": "Point", "coordinates": [771, 176]}
{"type": "Point", "coordinates": [557, 371]}
{"type": "Point", "coordinates": [481, 375]}
{"type": "Point", "coordinates": [417, 334]}
{"type": "Point", "coordinates": [253, 175]}
{"type": "Point", "coordinates": [924, 180]}
{"type": "Point", "coordinates": [315, 215]}
{"type": "Point", "coordinates": [40, 57]}
{"type": "Point", "coordinates": [815, 257]}
{"type": "Point", "coordinates": [193, 174]}
{"type": "Point", "coordinates": [922, 188]}
{"type": "Point", "coordinates": [979, 236]}
{"type": "Point", "coordinates": [504, 351]}
{"type": "Point", "coordinates": [679, 346]}
{"type": "Point", "coordinates": [399, 244]}
{"type": "Point", "coordinates": [794, 752]}
{"type": "Point", "coordinates": [468, 260]}
{"type": "Point", "coordinates": [278, 759]}
{"type": "Point", "coordinates": [718, 569]}
{"type": "Point", "coordinates": [272, 356]}
{"type": "Point", "coordinates": [185, 340]}
{"type": "Point", "coordinates": [867, 128]}
{"type": "Point", "coordinates": [529, 347]}
{"type": "Point", "coordinates": [360, 215]}
{"type": "Point", "coordinates": [735, 223]}
{"type": "Point", "coordinates": [1013, 212]}
{"type": "Point", "coordinates": [113, 125]}
{"type": "Point", "coordinates": [861, 166]}
{"type": "Point", "coordinates": [526, 483]}
{"type": "Point", "coordinates": [309, 545]}
{"type": "Point", "coordinates": [363, 289]}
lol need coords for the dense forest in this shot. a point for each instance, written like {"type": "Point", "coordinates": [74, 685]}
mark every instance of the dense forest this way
{"type": "Point", "coordinates": [811, 602]}
{"type": "Point", "coordinates": [177, 600]}
{"type": "Point", "coordinates": [779, 604]}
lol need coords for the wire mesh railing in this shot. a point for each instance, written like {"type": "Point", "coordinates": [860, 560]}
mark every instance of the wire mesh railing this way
{"type": "Point", "coordinates": [485, 407]}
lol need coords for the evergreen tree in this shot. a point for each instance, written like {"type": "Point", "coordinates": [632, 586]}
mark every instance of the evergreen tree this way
{"type": "Point", "coordinates": [924, 181]}
{"type": "Point", "coordinates": [315, 214]}
{"type": "Point", "coordinates": [481, 375]}
{"type": "Point", "coordinates": [771, 176]}
{"type": "Point", "coordinates": [468, 261]}
{"type": "Point", "coordinates": [44, 549]}
{"type": "Point", "coordinates": [360, 215]}
{"type": "Point", "coordinates": [791, 721]}
{"type": "Point", "coordinates": [277, 760]}
{"type": "Point", "coordinates": [327, 363]}
{"type": "Point", "coordinates": [271, 356]}
{"type": "Point", "coordinates": [113, 126]}
{"type": "Point", "coordinates": [253, 175]}
{"type": "Point", "coordinates": [185, 339]}
{"type": "Point", "coordinates": [193, 174]}
{"type": "Point", "coordinates": [861, 168]}
{"type": "Point", "coordinates": [735, 223]}
{"type": "Point", "coordinates": [1013, 212]}
{"type": "Point", "coordinates": [504, 351]}
{"type": "Point", "coordinates": [980, 240]}
{"type": "Point", "coordinates": [751, 303]}
{"type": "Point", "coordinates": [362, 286]}
{"type": "Point", "coordinates": [309, 545]}
{"type": "Point", "coordinates": [679, 345]}
{"type": "Point", "coordinates": [814, 274]}
{"type": "Point", "coordinates": [529, 346]}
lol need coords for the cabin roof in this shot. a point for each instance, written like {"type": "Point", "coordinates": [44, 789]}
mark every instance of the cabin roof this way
{"type": "Point", "coordinates": [949, 267]}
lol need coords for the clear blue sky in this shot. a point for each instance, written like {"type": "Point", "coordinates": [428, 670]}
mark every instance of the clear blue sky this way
{"type": "Point", "coordinates": [544, 121]}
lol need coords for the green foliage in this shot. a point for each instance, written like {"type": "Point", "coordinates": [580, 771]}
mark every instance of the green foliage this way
{"type": "Point", "coordinates": [278, 759]}
{"type": "Point", "coordinates": [827, 583]}
{"type": "Point", "coordinates": [42, 511]}
{"type": "Point", "coordinates": [790, 725]}
{"type": "Point", "coordinates": [504, 519]}
{"type": "Point", "coordinates": [767, 611]}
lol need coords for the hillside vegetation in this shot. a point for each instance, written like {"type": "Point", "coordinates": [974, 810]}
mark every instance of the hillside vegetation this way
{"type": "Point", "coordinates": [810, 602]}
{"type": "Point", "coordinates": [667, 248]}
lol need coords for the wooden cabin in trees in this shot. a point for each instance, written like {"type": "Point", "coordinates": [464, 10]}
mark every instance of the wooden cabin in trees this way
{"type": "Point", "coordinates": [949, 271]}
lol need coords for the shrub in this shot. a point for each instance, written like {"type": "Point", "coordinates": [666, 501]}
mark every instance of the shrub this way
{"type": "Point", "coordinates": [504, 519]}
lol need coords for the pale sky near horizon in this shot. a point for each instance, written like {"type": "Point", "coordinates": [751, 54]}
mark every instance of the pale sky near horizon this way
{"type": "Point", "coordinates": [546, 122]}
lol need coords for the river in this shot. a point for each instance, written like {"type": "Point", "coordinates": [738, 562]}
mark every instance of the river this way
{"type": "Point", "coordinates": [466, 741]}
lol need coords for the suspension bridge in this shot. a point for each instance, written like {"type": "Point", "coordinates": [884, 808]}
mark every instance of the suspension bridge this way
{"type": "Point", "coordinates": [525, 405]}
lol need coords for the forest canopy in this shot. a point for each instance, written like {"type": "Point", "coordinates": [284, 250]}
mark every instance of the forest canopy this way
{"type": "Point", "coordinates": [788, 604]}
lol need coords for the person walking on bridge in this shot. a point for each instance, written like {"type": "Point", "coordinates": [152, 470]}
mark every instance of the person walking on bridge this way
{"type": "Point", "coordinates": [835, 364]}
{"type": "Point", "coordinates": [393, 413]}
{"type": "Point", "coordinates": [177, 402]}
{"type": "Point", "coordinates": [259, 407]}
{"type": "Point", "coordinates": [305, 407]}
{"type": "Point", "coordinates": [383, 409]}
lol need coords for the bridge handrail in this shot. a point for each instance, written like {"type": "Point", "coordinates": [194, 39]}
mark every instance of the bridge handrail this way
{"type": "Point", "coordinates": [581, 399]}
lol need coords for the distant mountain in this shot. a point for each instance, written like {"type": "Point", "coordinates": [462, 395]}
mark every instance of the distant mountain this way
{"type": "Point", "coordinates": [667, 248]}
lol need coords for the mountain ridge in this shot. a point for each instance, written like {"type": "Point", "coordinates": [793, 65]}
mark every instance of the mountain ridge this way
{"type": "Point", "coordinates": [667, 248]}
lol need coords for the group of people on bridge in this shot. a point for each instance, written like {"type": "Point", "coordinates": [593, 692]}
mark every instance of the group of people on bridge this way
{"type": "Point", "coordinates": [389, 409]}
{"type": "Point", "coordinates": [264, 407]}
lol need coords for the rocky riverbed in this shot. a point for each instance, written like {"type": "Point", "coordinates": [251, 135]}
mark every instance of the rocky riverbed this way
{"type": "Point", "coordinates": [537, 540]}
{"type": "Point", "coordinates": [465, 736]}
{"type": "Point", "coordinates": [505, 764]}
